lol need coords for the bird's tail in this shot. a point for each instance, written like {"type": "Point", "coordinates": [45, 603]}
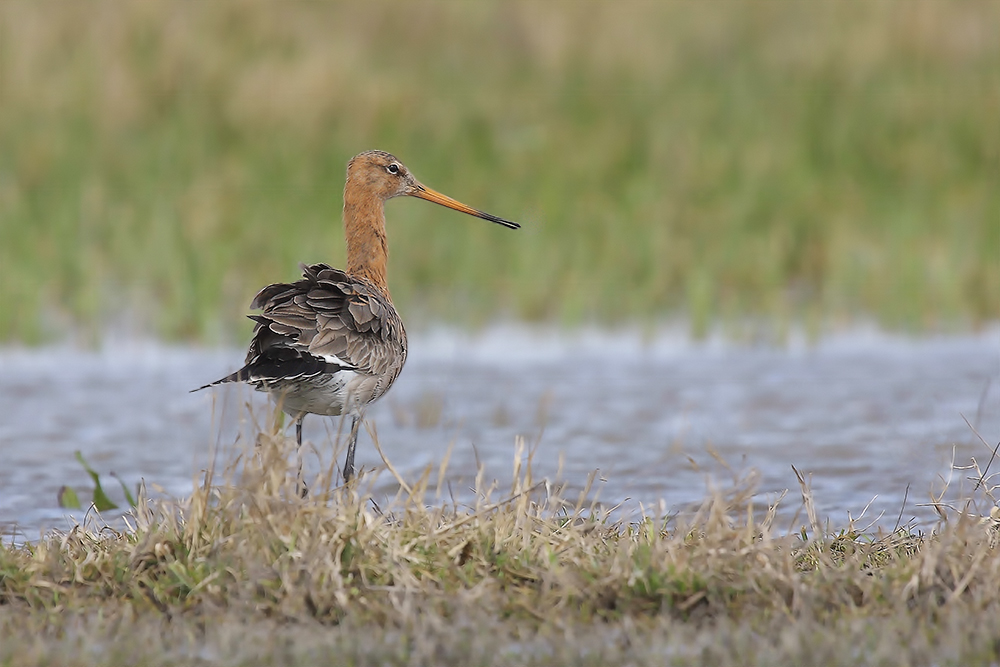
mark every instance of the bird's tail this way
{"type": "Point", "coordinates": [241, 375]}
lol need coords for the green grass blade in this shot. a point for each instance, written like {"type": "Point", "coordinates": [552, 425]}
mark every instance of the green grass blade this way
{"type": "Point", "coordinates": [101, 500]}
{"type": "Point", "coordinates": [128, 494]}
{"type": "Point", "coordinates": [68, 499]}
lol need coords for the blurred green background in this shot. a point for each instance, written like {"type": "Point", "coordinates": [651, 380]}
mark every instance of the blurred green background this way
{"type": "Point", "coordinates": [725, 163]}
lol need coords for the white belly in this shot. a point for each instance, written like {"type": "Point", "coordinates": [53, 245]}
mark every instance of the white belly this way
{"type": "Point", "coordinates": [330, 395]}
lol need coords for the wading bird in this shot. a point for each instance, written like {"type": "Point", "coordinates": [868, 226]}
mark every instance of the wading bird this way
{"type": "Point", "coordinates": [332, 342]}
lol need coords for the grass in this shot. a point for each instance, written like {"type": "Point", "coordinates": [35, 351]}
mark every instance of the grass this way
{"type": "Point", "coordinates": [797, 162]}
{"type": "Point", "coordinates": [245, 572]}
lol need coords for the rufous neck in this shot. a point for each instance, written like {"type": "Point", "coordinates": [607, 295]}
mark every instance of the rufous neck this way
{"type": "Point", "coordinates": [364, 229]}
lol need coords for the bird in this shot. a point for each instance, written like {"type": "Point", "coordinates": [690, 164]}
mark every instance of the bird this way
{"type": "Point", "coordinates": [332, 342]}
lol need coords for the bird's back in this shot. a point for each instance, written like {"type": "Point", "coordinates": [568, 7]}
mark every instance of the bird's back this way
{"type": "Point", "coordinates": [329, 343]}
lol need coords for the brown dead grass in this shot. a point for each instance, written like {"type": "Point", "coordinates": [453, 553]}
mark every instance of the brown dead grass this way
{"type": "Point", "coordinates": [245, 572]}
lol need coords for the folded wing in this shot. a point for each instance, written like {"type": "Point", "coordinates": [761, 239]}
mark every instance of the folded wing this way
{"type": "Point", "coordinates": [324, 323]}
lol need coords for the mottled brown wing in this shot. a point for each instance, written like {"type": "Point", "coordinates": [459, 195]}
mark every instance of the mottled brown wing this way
{"type": "Point", "coordinates": [333, 316]}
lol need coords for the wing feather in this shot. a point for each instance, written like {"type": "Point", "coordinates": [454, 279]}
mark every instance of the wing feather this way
{"type": "Point", "coordinates": [330, 315]}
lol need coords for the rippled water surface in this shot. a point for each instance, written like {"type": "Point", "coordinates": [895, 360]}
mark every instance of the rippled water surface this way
{"type": "Point", "coordinates": [865, 415]}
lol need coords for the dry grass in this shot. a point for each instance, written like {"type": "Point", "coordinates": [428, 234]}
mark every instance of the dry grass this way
{"type": "Point", "coordinates": [245, 572]}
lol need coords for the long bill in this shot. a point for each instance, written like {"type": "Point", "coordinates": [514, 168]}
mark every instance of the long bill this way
{"type": "Point", "coordinates": [425, 192]}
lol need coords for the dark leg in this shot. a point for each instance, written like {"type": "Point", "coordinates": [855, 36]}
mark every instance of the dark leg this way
{"type": "Point", "coordinates": [300, 485]}
{"type": "Point", "coordinates": [349, 463]}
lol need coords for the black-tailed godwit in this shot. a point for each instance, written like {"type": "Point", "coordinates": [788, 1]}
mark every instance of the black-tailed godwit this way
{"type": "Point", "coordinates": [332, 342]}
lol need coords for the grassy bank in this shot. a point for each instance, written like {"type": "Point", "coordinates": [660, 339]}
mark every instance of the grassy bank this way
{"type": "Point", "coordinates": [248, 573]}
{"type": "Point", "coordinates": [795, 161]}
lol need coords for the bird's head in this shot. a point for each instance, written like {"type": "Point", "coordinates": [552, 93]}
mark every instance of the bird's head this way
{"type": "Point", "coordinates": [384, 176]}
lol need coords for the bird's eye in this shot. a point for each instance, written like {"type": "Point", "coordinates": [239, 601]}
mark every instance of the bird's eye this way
{"type": "Point", "coordinates": [393, 168]}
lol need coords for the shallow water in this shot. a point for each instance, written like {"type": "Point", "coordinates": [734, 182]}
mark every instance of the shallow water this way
{"type": "Point", "coordinates": [866, 415]}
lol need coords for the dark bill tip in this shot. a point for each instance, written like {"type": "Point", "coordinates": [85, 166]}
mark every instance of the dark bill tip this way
{"type": "Point", "coordinates": [509, 224]}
